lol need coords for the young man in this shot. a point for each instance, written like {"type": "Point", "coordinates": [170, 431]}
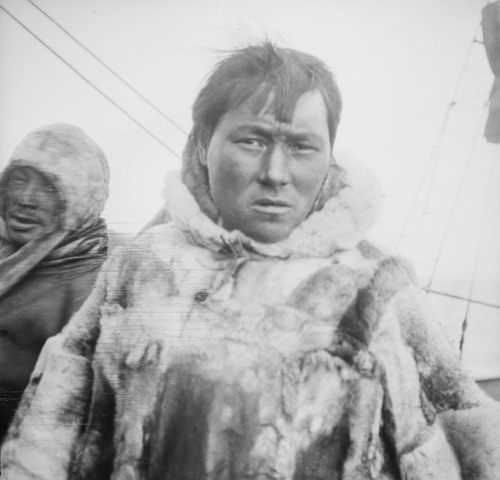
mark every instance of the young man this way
{"type": "Point", "coordinates": [52, 246]}
{"type": "Point", "coordinates": [256, 335]}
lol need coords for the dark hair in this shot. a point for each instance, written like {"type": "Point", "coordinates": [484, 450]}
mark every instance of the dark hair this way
{"type": "Point", "coordinates": [253, 74]}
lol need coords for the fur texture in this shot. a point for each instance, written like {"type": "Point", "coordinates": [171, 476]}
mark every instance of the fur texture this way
{"type": "Point", "coordinates": [215, 357]}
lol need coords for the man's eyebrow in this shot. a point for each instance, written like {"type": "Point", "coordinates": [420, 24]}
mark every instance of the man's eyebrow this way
{"type": "Point", "coordinates": [255, 125]}
{"type": "Point", "coordinates": [252, 128]}
{"type": "Point", "coordinates": [263, 128]}
{"type": "Point", "coordinates": [303, 135]}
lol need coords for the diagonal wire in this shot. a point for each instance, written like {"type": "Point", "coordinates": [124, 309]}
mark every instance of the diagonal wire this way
{"type": "Point", "coordinates": [494, 163]}
{"type": "Point", "coordinates": [460, 297]}
{"type": "Point", "coordinates": [86, 80]}
{"type": "Point", "coordinates": [468, 160]}
{"type": "Point", "coordinates": [108, 68]}
{"type": "Point", "coordinates": [431, 164]}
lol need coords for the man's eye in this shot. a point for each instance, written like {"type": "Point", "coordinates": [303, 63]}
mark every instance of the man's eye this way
{"type": "Point", "coordinates": [301, 147]}
{"type": "Point", "coordinates": [252, 142]}
{"type": "Point", "coordinates": [16, 181]}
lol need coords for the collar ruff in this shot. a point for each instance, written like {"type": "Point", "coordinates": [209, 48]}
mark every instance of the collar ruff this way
{"type": "Point", "coordinates": [339, 225]}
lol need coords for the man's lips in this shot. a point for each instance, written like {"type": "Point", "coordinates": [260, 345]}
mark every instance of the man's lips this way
{"type": "Point", "coordinates": [19, 221]}
{"type": "Point", "coordinates": [271, 206]}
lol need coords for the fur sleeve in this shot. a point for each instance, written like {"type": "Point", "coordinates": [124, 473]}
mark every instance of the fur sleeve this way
{"type": "Point", "coordinates": [470, 419]}
{"type": "Point", "coordinates": [439, 421]}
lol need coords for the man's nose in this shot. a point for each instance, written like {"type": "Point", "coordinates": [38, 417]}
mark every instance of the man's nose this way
{"type": "Point", "coordinates": [28, 196]}
{"type": "Point", "coordinates": [274, 168]}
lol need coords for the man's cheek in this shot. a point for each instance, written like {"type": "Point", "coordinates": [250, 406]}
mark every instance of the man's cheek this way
{"type": "Point", "coordinates": [232, 174]}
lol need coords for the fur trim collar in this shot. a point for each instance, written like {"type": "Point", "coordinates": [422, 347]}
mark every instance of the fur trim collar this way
{"type": "Point", "coordinates": [340, 224]}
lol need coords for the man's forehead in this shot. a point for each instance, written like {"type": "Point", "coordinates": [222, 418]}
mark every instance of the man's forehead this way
{"type": "Point", "coordinates": [24, 169]}
{"type": "Point", "coordinates": [260, 121]}
{"type": "Point", "coordinates": [308, 113]}
{"type": "Point", "coordinates": [19, 170]}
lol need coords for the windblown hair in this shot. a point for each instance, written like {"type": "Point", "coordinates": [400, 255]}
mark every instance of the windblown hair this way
{"type": "Point", "coordinates": [262, 75]}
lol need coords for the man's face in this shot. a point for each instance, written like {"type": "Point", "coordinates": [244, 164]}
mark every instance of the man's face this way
{"type": "Point", "coordinates": [31, 205]}
{"type": "Point", "coordinates": [264, 174]}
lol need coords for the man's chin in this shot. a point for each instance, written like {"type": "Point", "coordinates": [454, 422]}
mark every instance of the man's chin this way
{"type": "Point", "coordinates": [268, 232]}
{"type": "Point", "coordinates": [21, 237]}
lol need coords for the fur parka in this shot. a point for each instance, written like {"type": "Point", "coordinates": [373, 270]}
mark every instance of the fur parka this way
{"type": "Point", "coordinates": [46, 280]}
{"type": "Point", "coordinates": [203, 354]}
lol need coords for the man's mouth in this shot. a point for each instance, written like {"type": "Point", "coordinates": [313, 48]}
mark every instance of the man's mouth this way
{"type": "Point", "coordinates": [20, 221]}
{"type": "Point", "coordinates": [271, 206]}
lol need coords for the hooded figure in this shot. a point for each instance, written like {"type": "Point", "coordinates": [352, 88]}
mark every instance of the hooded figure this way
{"type": "Point", "coordinates": [52, 245]}
{"type": "Point", "coordinates": [256, 334]}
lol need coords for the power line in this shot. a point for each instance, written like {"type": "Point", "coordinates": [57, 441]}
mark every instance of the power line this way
{"type": "Point", "coordinates": [460, 187]}
{"type": "Point", "coordinates": [108, 68]}
{"type": "Point", "coordinates": [459, 297]}
{"type": "Point", "coordinates": [478, 253]}
{"type": "Point", "coordinates": [86, 80]}
{"type": "Point", "coordinates": [431, 165]}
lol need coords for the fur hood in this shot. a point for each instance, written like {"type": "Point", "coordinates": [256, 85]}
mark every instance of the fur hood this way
{"type": "Point", "coordinates": [75, 165]}
{"type": "Point", "coordinates": [348, 205]}
{"type": "Point", "coordinates": [78, 170]}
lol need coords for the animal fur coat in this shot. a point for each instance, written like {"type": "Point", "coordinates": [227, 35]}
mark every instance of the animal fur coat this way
{"type": "Point", "coordinates": [202, 354]}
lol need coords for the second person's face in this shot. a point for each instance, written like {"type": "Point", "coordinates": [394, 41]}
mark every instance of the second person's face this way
{"type": "Point", "coordinates": [31, 205]}
{"type": "Point", "coordinates": [265, 174]}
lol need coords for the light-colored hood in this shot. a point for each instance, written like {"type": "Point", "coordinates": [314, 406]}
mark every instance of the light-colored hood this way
{"type": "Point", "coordinates": [75, 165]}
{"type": "Point", "coordinates": [78, 169]}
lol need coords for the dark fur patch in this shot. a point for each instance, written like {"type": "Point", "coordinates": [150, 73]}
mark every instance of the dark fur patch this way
{"type": "Point", "coordinates": [327, 293]}
{"type": "Point", "coordinates": [324, 459]}
{"type": "Point", "coordinates": [184, 418]}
